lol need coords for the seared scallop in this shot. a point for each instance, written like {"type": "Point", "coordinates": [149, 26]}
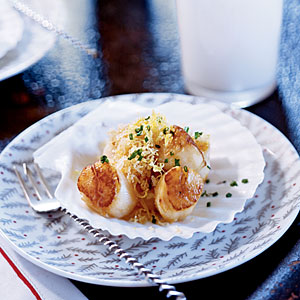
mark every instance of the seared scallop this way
{"type": "Point", "coordinates": [183, 150]}
{"type": "Point", "coordinates": [177, 193]}
{"type": "Point", "coordinates": [105, 190]}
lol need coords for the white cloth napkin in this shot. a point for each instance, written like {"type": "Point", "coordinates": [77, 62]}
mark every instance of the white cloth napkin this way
{"type": "Point", "coordinates": [20, 279]}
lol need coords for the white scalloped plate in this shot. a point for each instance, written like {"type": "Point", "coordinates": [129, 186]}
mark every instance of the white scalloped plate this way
{"type": "Point", "coordinates": [234, 156]}
{"type": "Point", "coordinates": [57, 244]}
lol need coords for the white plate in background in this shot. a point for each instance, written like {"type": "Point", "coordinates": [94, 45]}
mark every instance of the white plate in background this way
{"type": "Point", "coordinates": [35, 40]}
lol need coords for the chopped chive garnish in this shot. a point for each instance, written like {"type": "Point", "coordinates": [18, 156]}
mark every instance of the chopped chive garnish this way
{"type": "Point", "coordinates": [135, 153]}
{"type": "Point", "coordinates": [166, 130]}
{"type": "Point", "coordinates": [208, 204]}
{"type": "Point", "coordinates": [233, 183]}
{"type": "Point", "coordinates": [228, 195]}
{"type": "Point", "coordinates": [157, 146]}
{"type": "Point", "coordinates": [166, 161]}
{"type": "Point", "coordinates": [140, 158]}
{"type": "Point", "coordinates": [148, 127]}
{"type": "Point", "coordinates": [245, 180]}
{"type": "Point", "coordinates": [177, 162]}
{"type": "Point", "coordinates": [132, 156]}
{"type": "Point", "coordinates": [215, 194]}
{"type": "Point", "coordinates": [204, 194]}
{"type": "Point", "coordinates": [153, 219]}
{"type": "Point", "coordinates": [208, 167]}
{"type": "Point", "coordinates": [198, 134]}
{"type": "Point", "coordinates": [171, 153]}
{"type": "Point", "coordinates": [222, 182]}
{"type": "Point", "coordinates": [104, 159]}
{"type": "Point", "coordinates": [146, 139]}
{"type": "Point", "coordinates": [185, 168]}
{"type": "Point", "coordinates": [186, 129]}
{"type": "Point", "coordinates": [147, 118]}
{"type": "Point", "coordinates": [207, 181]}
{"type": "Point", "coordinates": [139, 129]}
{"type": "Point", "coordinates": [130, 136]}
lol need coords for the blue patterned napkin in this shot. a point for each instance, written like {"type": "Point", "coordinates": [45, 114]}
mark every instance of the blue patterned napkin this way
{"type": "Point", "coordinates": [289, 69]}
{"type": "Point", "coordinates": [284, 282]}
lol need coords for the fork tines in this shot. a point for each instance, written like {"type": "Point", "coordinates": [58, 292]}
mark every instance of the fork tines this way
{"type": "Point", "coordinates": [36, 201]}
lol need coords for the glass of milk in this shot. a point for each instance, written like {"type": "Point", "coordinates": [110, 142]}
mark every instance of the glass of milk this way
{"type": "Point", "coordinates": [229, 48]}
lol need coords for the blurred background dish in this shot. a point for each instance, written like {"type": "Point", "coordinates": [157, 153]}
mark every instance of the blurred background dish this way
{"type": "Point", "coordinates": [11, 28]}
{"type": "Point", "coordinates": [35, 41]}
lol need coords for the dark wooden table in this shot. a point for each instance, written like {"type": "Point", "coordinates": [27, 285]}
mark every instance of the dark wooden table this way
{"type": "Point", "coordinates": [138, 43]}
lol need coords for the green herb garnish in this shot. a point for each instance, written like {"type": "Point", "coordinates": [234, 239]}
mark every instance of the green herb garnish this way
{"type": "Point", "coordinates": [208, 204]}
{"type": "Point", "coordinates": [215, 194]}
{"type": "Point", "coordinates": [146, 139]}
{"type": "Point", "coordinates": [130, 136]}
{"type": "Point", "coordinates": [132, 156]}
{"type": "Point", "coordinates": [185, 168]}
{"type": "Point", "coordinates": [245, 180]}
{"type": "Point", "coordinates": [177, 162]}
{"type": "Point", "coordinates": [222, 182]}
{"type": "Point", "coordinates": [153, 219]}
{"type": "Point", "coordinates": [228, 195]}
{"type": "Point", "coordinates": [104, 159]}
{"type": "Point", "coordinates": [198, 134]}
{"type": "Point", "coordinates": [135, 153]}
{"type": "Point", "coordinates": [207, 181]}
{"type": "Point", "coordinates": [186, 129]}
{"type": "Point", "coordinates": [204, 194]}
{"type": "Point", "coordinates": [233, 183]}
{"type": "Point", "coordinates": [139, 130]}
{"type": "Point", "coordinates": [165, 130]}
{"type": "Point", "coordinates": [166, 161]}
{"type": "Point", "coordinates": [171, 153]}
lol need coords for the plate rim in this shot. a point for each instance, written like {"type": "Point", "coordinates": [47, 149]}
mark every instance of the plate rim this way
{"type": "Point", "coordinates": [130, 283]}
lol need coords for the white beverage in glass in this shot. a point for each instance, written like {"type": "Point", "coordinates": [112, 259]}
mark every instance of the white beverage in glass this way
{"type": "Point", "coordinates": [229, 48]}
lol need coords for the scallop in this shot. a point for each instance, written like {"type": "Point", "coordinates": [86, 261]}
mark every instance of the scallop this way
{"type": "Point", "coordinates": [183, 150]}
{"type": "Point", "coordinates": [177, 193]}
{"type": "Point", "coordinates": [105, 190]}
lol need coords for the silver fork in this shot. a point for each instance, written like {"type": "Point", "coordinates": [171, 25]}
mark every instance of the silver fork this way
{"type": "Point", "coordinates": [41, 205]}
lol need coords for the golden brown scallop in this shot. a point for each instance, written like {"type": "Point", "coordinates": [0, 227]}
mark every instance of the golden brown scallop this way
{"type": "Point", "coordinates": [105, 190]}
{"type": "Point", "coordinates": [177, 193]}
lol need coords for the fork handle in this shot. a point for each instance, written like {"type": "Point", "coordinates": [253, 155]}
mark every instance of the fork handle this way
{"type": "Point", "coordinates": [170, 290]}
